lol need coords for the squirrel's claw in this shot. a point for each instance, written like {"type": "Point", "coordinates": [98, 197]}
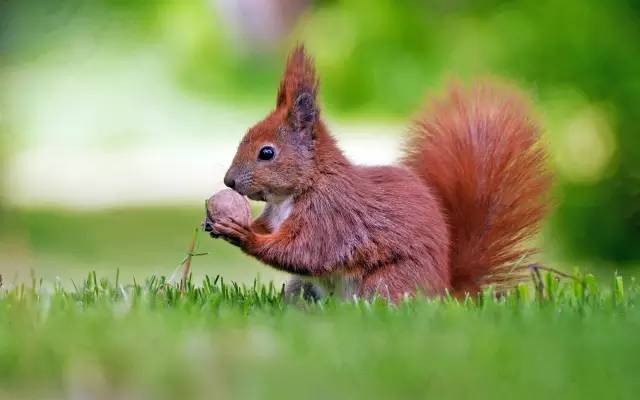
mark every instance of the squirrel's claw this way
{"type": "Point", "coordinates": [207, 226]}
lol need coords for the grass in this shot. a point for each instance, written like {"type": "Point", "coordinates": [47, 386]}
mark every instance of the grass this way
{"type": "Point", "coordinates": [107, 339]}
{"type": "Point", "coordinates": [135, 335]}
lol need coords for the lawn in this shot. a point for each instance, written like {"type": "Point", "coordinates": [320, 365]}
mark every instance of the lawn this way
{"type": "Point", "coordinates": [106, 339]}
{"type": "Point", "coordinates": [126, 333]}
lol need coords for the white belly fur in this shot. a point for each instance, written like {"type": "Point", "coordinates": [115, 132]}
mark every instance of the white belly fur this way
{"type": "Point", "coordinates": [276, 212]}
{"type": "Point", "coordinates": [338, 285]}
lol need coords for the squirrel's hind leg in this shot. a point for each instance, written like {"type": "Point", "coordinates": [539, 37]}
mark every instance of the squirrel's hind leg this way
{"type": "Point", "coordinates": [299, 288]}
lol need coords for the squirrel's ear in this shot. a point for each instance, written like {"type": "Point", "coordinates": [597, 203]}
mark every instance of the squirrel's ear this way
{"type": "Point", "coordinates": [304, 112]}
{"type": "Point", "coordinates": [299, 78]}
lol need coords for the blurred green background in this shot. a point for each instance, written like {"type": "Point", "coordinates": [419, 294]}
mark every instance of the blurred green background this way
{"type": "Point", "coordinates": [118, 118]}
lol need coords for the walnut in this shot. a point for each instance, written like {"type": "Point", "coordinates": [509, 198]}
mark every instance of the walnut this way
{"type": "Point", "coordinates": [227, 204]}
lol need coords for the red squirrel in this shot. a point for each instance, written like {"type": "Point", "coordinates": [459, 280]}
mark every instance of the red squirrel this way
{"type": "Point", "coordinates": [455, 214]}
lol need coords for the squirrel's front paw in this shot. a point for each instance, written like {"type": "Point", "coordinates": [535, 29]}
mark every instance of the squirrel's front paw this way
{"type": "Point", "coordinates": [207, 226]}
{"type": "Point", "coordinates": [233, 232]}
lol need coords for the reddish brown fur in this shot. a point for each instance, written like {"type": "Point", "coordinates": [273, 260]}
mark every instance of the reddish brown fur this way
{"type": "Point", "coordinates": [482, 154]}
{"type": "Point", "coordinates": [300, 74]}
{"type": "Point", "coordinates": [451, 217]}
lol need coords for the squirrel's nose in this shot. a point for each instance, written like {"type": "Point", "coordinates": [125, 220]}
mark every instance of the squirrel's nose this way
{"type": "Point", "coordinates": [229, 181]}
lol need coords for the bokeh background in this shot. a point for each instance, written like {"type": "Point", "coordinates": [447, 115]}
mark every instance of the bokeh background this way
{"type": "Point", "coordinates": [118, 118]}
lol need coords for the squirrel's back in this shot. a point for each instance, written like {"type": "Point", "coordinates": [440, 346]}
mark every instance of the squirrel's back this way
{"type": "Point", "coordinates": [479, 150]}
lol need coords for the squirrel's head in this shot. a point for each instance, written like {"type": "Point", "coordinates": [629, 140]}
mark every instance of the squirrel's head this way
{"type": "Point", "coordinates": [276, 158]}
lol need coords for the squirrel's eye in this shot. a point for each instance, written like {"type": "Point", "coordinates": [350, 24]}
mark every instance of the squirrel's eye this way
{"type": "Point", "coordinates": [266, 153]}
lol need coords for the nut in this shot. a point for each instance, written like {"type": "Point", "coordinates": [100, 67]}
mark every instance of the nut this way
{"type": "Point", "coordinates": [228, 204]}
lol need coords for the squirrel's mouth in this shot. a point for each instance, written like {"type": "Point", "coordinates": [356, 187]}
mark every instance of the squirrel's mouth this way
{"type": "Point", "coordinates": [257, 196]}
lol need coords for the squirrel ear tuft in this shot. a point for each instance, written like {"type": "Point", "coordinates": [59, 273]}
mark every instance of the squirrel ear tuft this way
{"type": "Point", "coordinates": [299, 78]}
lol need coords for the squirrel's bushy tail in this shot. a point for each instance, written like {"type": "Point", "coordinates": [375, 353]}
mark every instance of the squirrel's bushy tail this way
{"type": "Point", "coordinates": [480, 151]}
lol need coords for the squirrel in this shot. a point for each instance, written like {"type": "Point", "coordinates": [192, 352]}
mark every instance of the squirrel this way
{"type": "Point", "coordinates": [454, 215]}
